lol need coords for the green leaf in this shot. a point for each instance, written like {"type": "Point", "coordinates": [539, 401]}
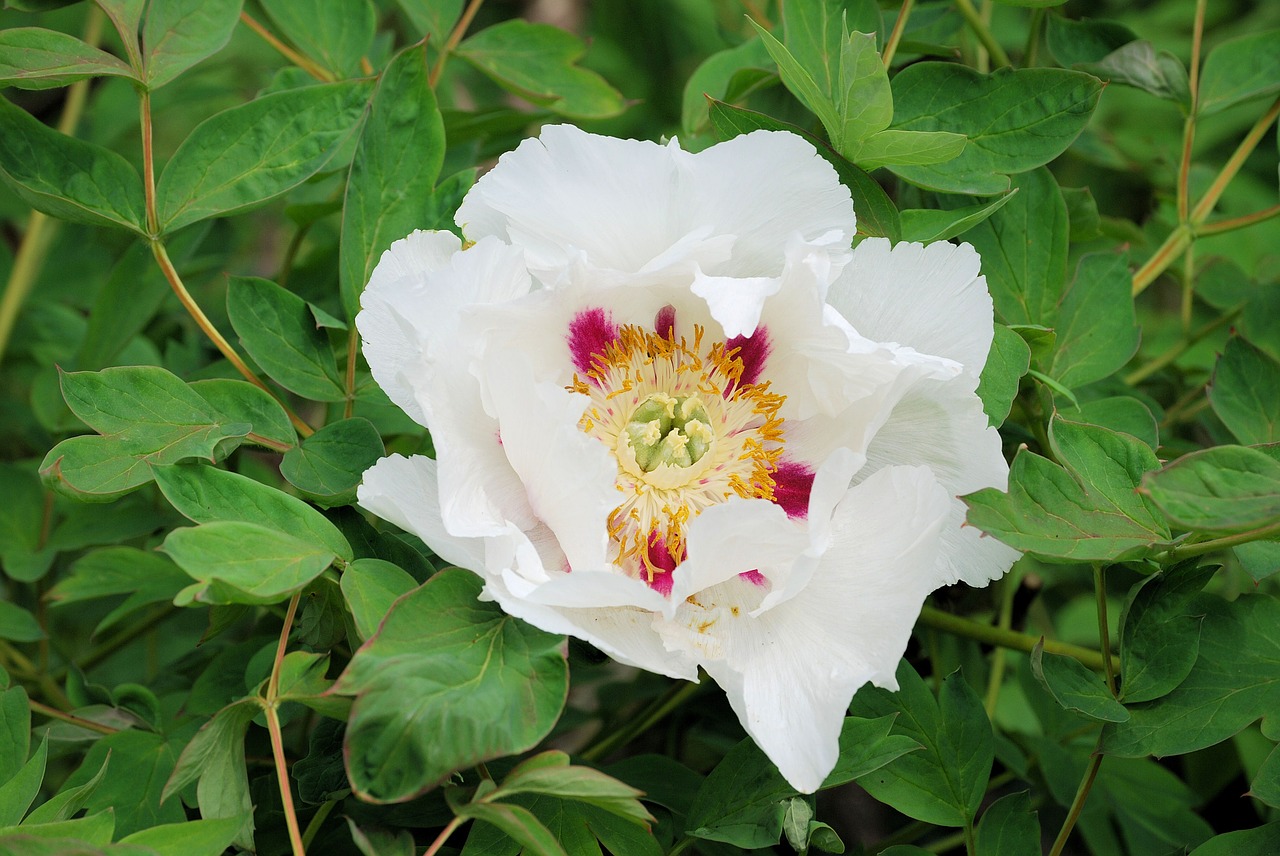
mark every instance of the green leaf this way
{"type": "Point", "coordinates": [1233, 683]}
{"type": "Point", "coordinates": [429, 683]}
{"type": "Point", "coordinates": [432, 18]}
{"type": "Point", "coordinates": [17, 624]}
{"type": "Point", "coordinates": [1074, 687]}
{"type": "Point", "coordinates": [876, 214]}
{"type": "Point", "coordinates": [35, 58]}
{"type": "Point", "coordinates": [1245, 392]}
{"type": "Point", "coordinates": [1240, 70]}
{"type": "Point", "coordinates": [1009, 827]}
{"type": "Point", "coordinates": [1089, 511]}
{"type": "Point", "coordinates": [214, 759]}
{"type": "Point", "coordinates": [1266, 782]}
{"type": "Point", "coordinates": [238, 562]}
{"type": "Point", "coordinates": [1223, 490]}
{"type": "Point", "coordinates": [241, 401]}
{"type": "Point", "coordinates": [1160, 632]}
{"type": "Point", "coordinates": [896, 147]}
{"type": "Point", "coordinates": [23, 555]}
{"type": "Point", "coordinates": [1258, 841]}
{"type": "Point", "coordinates": [67, 178]}
{"type": "Point", "coordinates": [743, 801]}
{"type": "Point", "coordinates": [395, 168]}
{"type": "Point", "coordinates": [1082, 212]}
{"type": "Point", "coordinates": [1015, 120]}
{"type": "Point", "coordinates": [1122, 413]}
{"type": "Point", "coordinates": [15, 731]}
{"type": "Point", "coordinates": [17, 794]}
{"type": "Point", "coordinates": [254, 152]}
{"type": "Point", "coordinates": [336, 33]}
{"type": "Point", "coordinates": [92, 829]}
{"type": "Point", "coordinates": [382, 842]}
{"type": "Point", "coordinates": [1138, 65]}
{"type": "Point", "coordinates": [278, 330]}
{"type": "Point", "coordinates": [205, 494]}
{"type": "Point", "coordinates": [554, 776]}
{"type": "Point", "coordinates": [1024, 251]}
{"type": "Point", "coordinates": [370, 587]}
{"type": "Point", "coordinates": [1097, 329]}
{"type": "Point", "coordinates": [537, 62]}
{"type": "Point", "coordinates": [146, 416]}
{"type": "Point", "coordinates": [932, 224]}
{"type": "Point", "coordinates": [140, 763]}
{"type": "Point", "coordinates": [126, 15]}
{"type": "Point", "coordinates": [329, 464]}
{"type": "Point", "coordinates": [1072, 42]}
{"type": "Point", "coordinates": [517, 822]}
{"type": "Point", "coordinates": [177, 34]}
{"type": "Point", "coordinates": [68, 801]}
{"type": "Point", "coordinates": [1007, 362]}
{"type": "Point", "coordinates": [192, 838]}
{"type": "Point", "coordinates": [711, 80]}
{"type": "Point", "coordinates": [944, 783]}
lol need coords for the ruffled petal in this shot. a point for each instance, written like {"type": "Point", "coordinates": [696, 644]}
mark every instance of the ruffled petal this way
{"type": "Point", "coordinates": [943, 426]}
{"type": "Point", "coordinates": [929, 297]}
{"type": "Point", "coordinates": [736, 537]}
{"type": "Point", "coordinates": [406, 491]}
{"type": "Point", "coordinates": [564, 194]}
{"type": "Point", "coordinates": [790, 672]}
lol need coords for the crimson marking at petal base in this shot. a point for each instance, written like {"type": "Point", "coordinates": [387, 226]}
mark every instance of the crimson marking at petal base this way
{"type": "Point", "coordinates": [664, 323]}
{"type": "Point", "coordinates": [754, 352]}
{"type": "Point", "coordinates": [754, 577]}
{"type": "Point", "coordinates": [792, 484]}
{"type": "Point", "coordinates": [589, 332]}
{"type": "Point", "coordinates": [660, 558]}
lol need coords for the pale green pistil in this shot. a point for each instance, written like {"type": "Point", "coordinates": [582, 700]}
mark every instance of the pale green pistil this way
{"type": "Point", "coordinates": [668, 430]}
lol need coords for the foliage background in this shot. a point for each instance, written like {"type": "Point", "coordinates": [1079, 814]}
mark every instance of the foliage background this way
{"type": "Point", "coordinates": [149, 688]}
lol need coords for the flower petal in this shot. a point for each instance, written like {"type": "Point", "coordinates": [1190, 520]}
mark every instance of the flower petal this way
{"type": "Point", "coordinates": [406, 491]}
{"type": "Point", "coordinates": [565, 193]}
{"type": "Point", "coordinates": [927, 297]}
{"type": "Point", "coordinates": [942, 425]}
{"type": "Point", "coordinates": [735, 537]}
{"type": "Point", "coordinates": [790, 672]}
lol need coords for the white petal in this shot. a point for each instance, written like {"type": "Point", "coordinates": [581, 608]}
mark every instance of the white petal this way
{"type": "Point", "coordinates": [766, 187]}
{"type": "Point", "coordinates": [567, 475]}
{"type": "Point", "coordinates": [627, 203]}
{"type": "Point", "coordinates": [791, 671]}
{"type": "Point", "coordinates": [406, 492]}
{"type": "Point", "coordinates": [735, 537]}
{"type": "Point", "coordinates": [928, 297]}
{"type": "Point", "coordinates": [735, 302]}
{"type": "Point", "coordinates": [942, 425]}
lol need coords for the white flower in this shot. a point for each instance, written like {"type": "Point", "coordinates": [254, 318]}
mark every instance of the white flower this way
{"type": "Point", "coordinates": [677, 417]}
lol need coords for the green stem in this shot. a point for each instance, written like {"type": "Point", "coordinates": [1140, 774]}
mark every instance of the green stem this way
{"type": "Point", "coordinates": [1011, 639]}
{"type": "Point", "coordinates": [891, 46]}
{"type": "Point", "coordinates": [974, 20]}
{"type": "Point", "coordinates": [1008, 587]}
{"type": "Point", "coordinates": [1250, 142]}
{"type": "Point", "coordinates": [40, 232]}
{"type": "Point", "coordinates": [652, 715]}
{"type": "Point", "coordinates": [1173, 245]}
{"type": "Point", "coordinates": [1140, 374]}
{"type": "Point", "coordinates": [1104, 631]}
{"type": "Point", "coordinates": [317, 821]}
{"type": "Point", "coordinates": [444, 836]}
{"type": "Point", "coordinates": [1200, 548]}
{"type": "Point", "coordinates": [970, 845]}
{"type": "Point", "coordinates": [321, 74]}
{"type": "Point", "coordinates": [1033, 38]}
{"type": "Point", "coordinates": [1077, 804]}
{"type": "Point", "coordinates": [459, 30]}
{"type": "Point", "coordinates": [1206, 229]}
{"type": "Point", "coordinates": [271, 709]}
{"type": "Point", "coordinates": [79, 722]}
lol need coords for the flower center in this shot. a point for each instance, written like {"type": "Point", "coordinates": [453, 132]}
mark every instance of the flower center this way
{"type": "Point", "coordinates": [686, 432]}
{"type": "Point", "coordinates": [666, 430]}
